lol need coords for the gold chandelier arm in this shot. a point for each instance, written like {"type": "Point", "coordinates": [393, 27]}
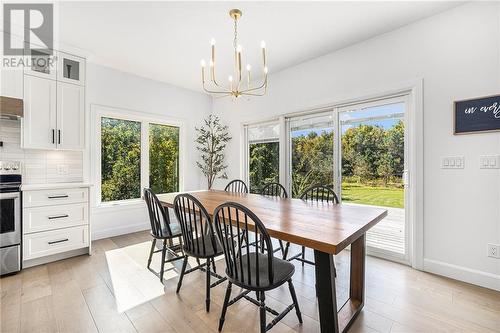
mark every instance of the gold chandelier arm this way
{"type": "Point", "coordinates": [263, 85]}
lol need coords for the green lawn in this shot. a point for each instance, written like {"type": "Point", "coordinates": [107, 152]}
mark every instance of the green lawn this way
{"type": "Point", "coordinates": [373, 195]}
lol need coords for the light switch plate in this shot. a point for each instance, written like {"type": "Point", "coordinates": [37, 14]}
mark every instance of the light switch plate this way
{"type": "Point", "coordinates": [453, 162]}
{"type": "Point", "coordinates": [489, 162]}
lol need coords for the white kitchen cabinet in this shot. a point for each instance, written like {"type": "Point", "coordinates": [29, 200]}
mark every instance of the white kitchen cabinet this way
{"type": "Point", "coordinates": [54, 115]}
{"type": "Point", "coordinates": [56, 222]}
{"type": "Point", "coordinates": [70, 116]}
{"type": "Point", "coordinates": [42, 64]}
{"type": "Point", "coordinates": [40, 109]}
{"type": "Point", "coordinates": [71, 69]}
{"type": "Point", "coordinates": [12, 83]}
{"type": "Point", "coordinates": [11, 72]}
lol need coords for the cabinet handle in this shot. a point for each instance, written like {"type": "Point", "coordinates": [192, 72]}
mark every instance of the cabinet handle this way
{"type": "Point", "coordinates": [57, 217]}
{"type": "Point", "coordinates": [59, 136]}
{"type": "Point", "coordinates": [58, 196]}
{"type": "Point", "coordinates": [58, 241]}
{"type": "Point", "coordinates": [53, 136]}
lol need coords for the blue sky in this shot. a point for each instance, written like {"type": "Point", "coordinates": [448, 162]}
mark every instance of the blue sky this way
{"type": "Point", "coordinates": [368, 112]}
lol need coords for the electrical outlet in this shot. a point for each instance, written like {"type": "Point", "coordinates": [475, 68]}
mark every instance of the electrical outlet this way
{"type": "Point", "coordinates": [62, 169]}
{"type": "Point", "coordinates": [494, 251]}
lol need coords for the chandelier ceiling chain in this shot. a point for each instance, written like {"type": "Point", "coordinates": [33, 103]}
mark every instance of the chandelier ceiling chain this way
{"type": "Point", "coordinates": [234, 87]}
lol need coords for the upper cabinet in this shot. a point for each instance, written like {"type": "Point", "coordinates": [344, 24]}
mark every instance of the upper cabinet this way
{"type": "Point", "coordinates": [42, 64]}
{"type": "Point", "coordinates": [70, 116]}
{"type": "Point", "coordinates": [11, 75]}
{"type": "Point", "coordinates": [40, 113]}
{"type": "Point", "coordinates": [54, 102]}
{"type": "Point", "coordinates": [71, 69]}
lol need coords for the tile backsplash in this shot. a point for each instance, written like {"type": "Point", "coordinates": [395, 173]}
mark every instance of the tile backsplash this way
{"type": "Point", "coordinates": [39, 166]}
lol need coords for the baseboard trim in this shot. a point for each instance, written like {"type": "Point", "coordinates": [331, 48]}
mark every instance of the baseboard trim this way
{"type": "Point", "coordinates": [473, 276]}
{"type": "Point", "coordinates": [117, 231]}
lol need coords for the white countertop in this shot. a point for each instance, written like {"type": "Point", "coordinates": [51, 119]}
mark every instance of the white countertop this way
{"type": "Point", "coordinates": [32, 187]}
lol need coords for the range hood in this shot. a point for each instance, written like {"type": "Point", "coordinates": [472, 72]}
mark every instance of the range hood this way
{"type": "Point", "coordinates": [11, 108]}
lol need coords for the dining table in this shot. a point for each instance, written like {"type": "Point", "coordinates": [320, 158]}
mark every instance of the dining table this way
{"type": "Point", "coordinates": [322, 226]}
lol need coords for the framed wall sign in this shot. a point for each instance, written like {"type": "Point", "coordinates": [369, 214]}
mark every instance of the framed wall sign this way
{"type": "Point", "coordinates": [477, 115]}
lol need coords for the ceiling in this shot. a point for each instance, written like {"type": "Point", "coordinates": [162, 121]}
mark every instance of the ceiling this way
{"type": "Point", "coordinates": [165, 41]}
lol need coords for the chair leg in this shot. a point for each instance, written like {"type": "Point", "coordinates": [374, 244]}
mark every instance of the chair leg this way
{"type": "Point", "coordinates": [163, 254]}
{"type": "Point", "coordinates": [183, 270]}
{"type": "Point", "coordinates": [282, 248]}
{"type": "Point", "coordinates": [262, 312]}
{"type": "Point", "coordinates": [294, 298]}
{"type": "Point", "coordinates": [207, 299]}
{"type": "Point", "coordinates": [153, 244]}
{"type": "Point", "coordinates": [303, 255]}
{"type": "Point", "coordinates": [214, 267]}
{"type": "Point", "coordinates": [224, 307]}
{"type": "Point", "coordinates": [287, 246]}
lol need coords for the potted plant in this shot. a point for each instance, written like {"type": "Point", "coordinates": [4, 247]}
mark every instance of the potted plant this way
{"type": "Point", "coordinates": [211, 140]}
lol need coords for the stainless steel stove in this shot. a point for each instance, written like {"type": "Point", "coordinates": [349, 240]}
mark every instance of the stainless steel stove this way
{"type": "Point", "coordinates": [10, 217]}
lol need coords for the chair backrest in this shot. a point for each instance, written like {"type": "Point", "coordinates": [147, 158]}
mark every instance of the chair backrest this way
{"type": "Point", "coordinates": [236, 185]}
{"type": "Point", "coordinates": [320, 193]}
{"type": "Point", "coordinates": [234, 223]}
{"type": "Point", "coordinates": [275, 190]}
{"type": "Point", "coordinates": [158, 216]}
{"type": "Point", "coordinates": [195, 224]}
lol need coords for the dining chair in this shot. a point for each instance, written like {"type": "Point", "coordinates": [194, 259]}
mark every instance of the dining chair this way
{"type": "Point", "coordinates": [199, 240]}
{"type": "Point", "coordinates": [257, 271]}
{"type": "Point", "coordinates": [317, 193]}
{"type": "Point", "coordinates": [162, 229]}
{"type": "Point", "coordinates": [275, 190]}
{"type": "Point", "coordinates": [236, 185]}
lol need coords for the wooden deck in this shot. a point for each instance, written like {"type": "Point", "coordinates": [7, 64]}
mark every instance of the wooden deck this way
{"type": "Point", "coordinates": [388, 234]}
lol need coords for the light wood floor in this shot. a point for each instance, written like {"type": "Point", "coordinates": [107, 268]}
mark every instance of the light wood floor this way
{"type": "Point", "coordinates": [111, 291]}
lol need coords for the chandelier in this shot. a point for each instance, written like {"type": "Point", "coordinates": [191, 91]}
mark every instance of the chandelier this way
{"type": "Point", "coordinates": [238, 85]}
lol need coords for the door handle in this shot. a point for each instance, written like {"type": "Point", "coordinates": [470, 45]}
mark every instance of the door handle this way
{"type": "Point", "coordinates": [57, 217]}
{"type": "Point", "coordinates": [59, 137]}
{"type": "Point", "coordinates": [58, 241]}
{"type": "Point", "coordinates": [58, 196]}
{"type": "Point", "coordinates": [53, 136]}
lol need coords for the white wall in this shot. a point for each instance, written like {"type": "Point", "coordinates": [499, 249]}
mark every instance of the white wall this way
{"type": "Point", "coordinates": [457, 55]}
{"type": "Point", "coordinates": [112, 88]}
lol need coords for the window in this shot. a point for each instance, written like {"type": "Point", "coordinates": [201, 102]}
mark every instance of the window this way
{"type": "Point", "coordinates": [120, 159]}
{"type": "Point", "coordinates": [163, 158]}
{"type": "Point", "coordinates": [312, 139]}
{"type": "Point", "coordinates": [263, 149]}
{"type": "Point", "coordinates": [136, 152]}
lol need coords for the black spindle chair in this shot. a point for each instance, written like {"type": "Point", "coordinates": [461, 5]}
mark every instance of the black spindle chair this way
{"type": "Point", "coordinates": [275, 190]}
{"type": "Point", "coordinates": [162, 229]}
{"type": "Point", "coordinates": [199, 242]}
{"type": "Point", "coordinates": [317, 193]}
{"type": "Point", "coordinates": [257, 271]}
{"type": "Point", "coordinates": [236, 185]}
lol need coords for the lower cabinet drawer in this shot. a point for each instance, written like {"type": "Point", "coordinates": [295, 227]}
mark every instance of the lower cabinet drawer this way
{"type": "Point", "coordinates": [65, 196]}
{"type": "Point", "coordinates": [37, 219]}
{"type": "Point", "coordinates": [55, 241]}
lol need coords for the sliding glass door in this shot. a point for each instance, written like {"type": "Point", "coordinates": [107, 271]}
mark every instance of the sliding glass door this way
{"type": "Point", "coordinates": [373, 169]}
{"type": "Point", "coordinates": [359, 150]}
{"type": "Point", "coordinates": [263, 155]}
{"type": "Point", "coordinates": [311, 151]}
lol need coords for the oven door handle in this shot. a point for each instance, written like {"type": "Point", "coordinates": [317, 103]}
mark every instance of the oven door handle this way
{"type": "Point", "coordinates": [14, 195]}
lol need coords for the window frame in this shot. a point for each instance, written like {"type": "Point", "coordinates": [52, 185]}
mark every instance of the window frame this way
{"type": "Point", "coordinates": [99, 112]}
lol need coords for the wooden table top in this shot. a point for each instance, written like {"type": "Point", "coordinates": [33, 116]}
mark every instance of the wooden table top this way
{"type": "Point", "coordinates": [325, 227]}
